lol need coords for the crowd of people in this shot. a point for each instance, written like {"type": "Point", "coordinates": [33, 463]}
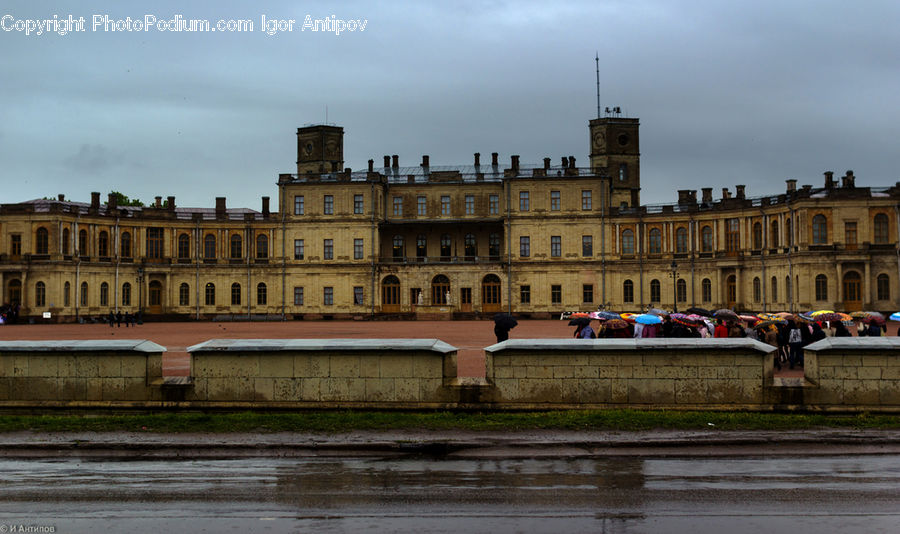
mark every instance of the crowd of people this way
{"type": "Point", "coordinates": [9, 313]}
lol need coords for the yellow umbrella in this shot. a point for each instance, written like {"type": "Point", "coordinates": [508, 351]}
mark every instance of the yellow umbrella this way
{"type": "Point", "coordinates": [820, 312]}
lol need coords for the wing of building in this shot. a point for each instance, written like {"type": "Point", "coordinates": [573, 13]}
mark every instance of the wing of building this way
{"type": "Point", "coordinates": [461, 241]}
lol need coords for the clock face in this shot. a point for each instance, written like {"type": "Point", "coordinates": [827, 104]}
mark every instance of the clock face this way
{"type": "Point", "coordinates": [308, 148]}
{"type": "Point", "coordinates": [622, 139]}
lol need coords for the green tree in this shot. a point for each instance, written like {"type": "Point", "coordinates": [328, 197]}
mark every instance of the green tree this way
{"type": "Point", "coordinates": [123, 200]}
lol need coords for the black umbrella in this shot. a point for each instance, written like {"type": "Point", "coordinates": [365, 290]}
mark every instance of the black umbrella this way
{"type": "Point", "coordinates": [580, 321]}
{"type": "Point", "coordinates": [700, 311]}
{"type": "Point", "coordinates": [505, 321]}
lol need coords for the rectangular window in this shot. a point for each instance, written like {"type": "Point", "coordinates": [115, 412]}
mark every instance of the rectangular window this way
{"type": "Point", "coordinates": [494, 204]}
{"type": "Point", "coordinates": [357, 249]}
{"type": "Point", "coordinates": [358, 296]}
{"type": "Point", "coordinates": [299, 208]}
{"type": "Point", "coordinates": [104, 295]}
{"type": "Point", "coordinates": [525, 294]}
{"type": "Point", "coordinates": [154, 242]}
{"type": "Point", "coordinates": [328, 205]}
{"type": "Point", "coordinates": [328, 249]}
{"type": "Point", "coordinates": [587, 293]}
{"type": "Point", "coordinates": [586, 201]}
{"type": "Point", "coordinates": [126, 294]}
{"type": "Point", "coordinates": [184, 295]}
{"type": "Point", "coordinates": [525, 246]}
{"type": "Point", "coordinates": [465, 295]}
{"type": "Point", "coordinates": [524, 201]}
{"type": "Point", "coordinates": [298, 296]}
{"type": "Point", "coordinates": [555, 246]}
{"type": "Point", "coordinates": [850, 234]}
{"type": "Point", "coordinates": [470, 204]}
{"type": "Point", "coordinates": [556, 294]}
{"type": "Point", "coordinates": [445, 204]}
{"type": "Point", "coordinates": [210, 294]}
{"type": "Point", "coordinates": [732, 235]}
{"type": "Point", "coordinates": [298, 249]}
{"type": "Point", "coordinates": [358, 204]}
{"type": "Point", "coordinates": [422, 205]}
{"type": "Point", "coordinates": [628, 291]}
{"type": "Point", "coordinates": [15, 245]}
{"type": "Point", "coordinates": [328, 296]}
{"type": "Point", "coordinates": [587, 246]}
{"type": "Point", "coordinates": [235, 294]}
{"type": "Point", "coordinates": [398, 205]}
{"type": "Point", "coordinates": [554, 200]}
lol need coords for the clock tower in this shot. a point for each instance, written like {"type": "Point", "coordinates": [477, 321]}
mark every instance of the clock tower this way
{"type": "Point", "coordinates": [320, 149]}
{"type": "Point", "coordinates": [615, 148]}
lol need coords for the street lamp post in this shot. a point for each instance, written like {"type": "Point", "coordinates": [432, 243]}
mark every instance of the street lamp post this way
{"type": "Point", "coordinates": [674, 275]}
{"type": "Point", "coordinates": [140, 281]}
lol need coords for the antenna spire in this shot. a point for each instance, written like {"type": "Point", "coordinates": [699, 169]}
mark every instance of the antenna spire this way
{"type": "Point", "coordinates": [597, 62]}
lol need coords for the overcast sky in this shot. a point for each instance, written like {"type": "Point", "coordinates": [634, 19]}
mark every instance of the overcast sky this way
{"type": "Point", "coordinates": [727, 92]}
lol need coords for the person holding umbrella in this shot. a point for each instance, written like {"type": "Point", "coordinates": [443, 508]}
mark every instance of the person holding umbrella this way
{"type": "Point", "coordinates": [503, 323]}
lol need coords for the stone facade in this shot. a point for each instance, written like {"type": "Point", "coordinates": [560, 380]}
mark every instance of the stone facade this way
{"type": "Point", "coordinates": [844, 373]}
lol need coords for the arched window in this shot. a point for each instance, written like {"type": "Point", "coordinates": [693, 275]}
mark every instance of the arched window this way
{"type": "Point", "coordinates": [184, 247]}
{"type": "Point", "coordinates": [184, 295]}
{"type": "Point", "coordinates": [390, 294]}
{"type": "Point", "coordinates": [774, 296]}
{"type": "Point", "coordinates": [40, 294]}
{"type": "Point", "coordinates": [470, 248]}
{"type": "Point", "coordinates": [237, 246]}
{"type": "Point", "coordinates": [757, 289]}
{"type": "Point", "coordinates": [42, 241]}
{"type": "Point", "coordinates": [126, 294]}
{"type": "Point", "coordinates": [627, 241]}
{"type": "Point", "coordinates": [681, 241]}
{"type": "Point", "coordinates": [883, 287]}
{"type": "Point", "coordinates": [757, 236]}
{"type": "Point", "coordinates": [821, 287]}
{"type": "Point", "coordinates": [261, 297]}
{"type": "Point", "coordinates": [262, 246]}
{"type": "Point", "coordinates": [397, 248]}
{"type": "Point", "coordinates": [681, 290]}
{"type": "Point", "coordinates": [773, 235]}
{"type": "Point", "coordinates": [103, 245]}
{"type": "Point", "coordinates": [654, 291]}
{"type": "Point", "coordinates": [655, 241]}
{"type": "Point", "coordinates": [706, 290]}
{"type": "Point", "coordinates": [82, 243]}
{"type": "Point", "coordinates": [104, 294]}
{"type": "Point", "coordinates": [490, 291]}
{"type": "Point", "coordinates": [126, 245]}
{"type": "Point", "coordinates": [628, 291]}
{"type": "Point", "coordinates": [440, 290]}
{"type": "Point", "coordinates": [67, 290]}
{"type": "Point", "coordinates": [623, 172]}
{"type": "Point", "coordinates": [209, 247]}
{"type": "Point", "coordinates": [84, 293]}
{"type": "Point", "coordinates": [706, 239]}
{"type": "Point", "coordinates": [235, 294]}
{"type": "Point", "coordinates": [819, 230]}
{"type": "Point", "coordinates": [880, 225]}
{"type": "Point", "coordinates": [210, 294]}
{"type": "Point", "coordinates": [421, 246]}
{"type": "Point", "coordinates": [65, 241]}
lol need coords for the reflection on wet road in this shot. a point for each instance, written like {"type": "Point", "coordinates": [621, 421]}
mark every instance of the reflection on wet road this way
{"type": "Point", "coordinates": [614, 495]}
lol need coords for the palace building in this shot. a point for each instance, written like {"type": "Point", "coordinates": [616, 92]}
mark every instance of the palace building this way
{"type": "Point", "coordinates": [463, 241]}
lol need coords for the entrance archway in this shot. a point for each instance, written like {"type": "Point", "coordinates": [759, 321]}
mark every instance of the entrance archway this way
{"type": "Point", "coordinates": [390, 294]}
{"type": "Point", "coordinates": [490, 294]}
{"type": "Point", "coordinates": [852, 291]}
{"type": "Point", "coordinates": [154, 297]}
{"type": "Point", "coordinates": [440, 290]}
{"type": "Point", "coordinates": [15, 292]}
{"type": "Point", "coordinates": [731, 291]}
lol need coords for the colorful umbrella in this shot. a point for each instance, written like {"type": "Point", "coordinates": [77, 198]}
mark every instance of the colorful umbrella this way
{"type": "Point", "coordinates": [609, 315]}
{"type": "Point", "coordinates": [820, 312]}
{"type": "Point", "coordinates": [657, 311]}
{"type": "Point", "coordinates": [784, 315]}
{"type": "Point", "coordinates": [751, 319]}
{"type": "Point", "coordinates": [895, 316]}
{"type": "Point", "coordinates": [629, 316]}
{"type": "Point", "coordinates": [858, 314]}
{"type": "Point", "coordinates": [727, 315]}
{"type": "Point", "coordinates": [685, 320]}
{"type": "Point", "coordinates": [874, 319]}
{"type": "Point", "coordinates": [767, 324]}
{"type": "Point", "coordinates": [615, 324]}
{"type": "Point", "coordinates": [648, 318]}
{"type": "Point", "coordinates": [830, 316]}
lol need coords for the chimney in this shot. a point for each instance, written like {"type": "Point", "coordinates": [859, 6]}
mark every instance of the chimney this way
{"type": "Point", "coordinates": [791, 185]}
{"type": "Point", "coordinates": [494, 159]}
{"type": "Point", "coordinates": [829, 180]}
{"type": "Point", "coordinates": [848, 181]}
{"type": "Point", "coordinates": [571, 162]}
{"type": "Point", "coordinates": [220, 207]}
{"type": "Point", "coordinates": [95, 200]}
{"type": "Point", "coordinates": [425, 159]}
{"type": "Point", "coordinates": [171, 203]}
{"type": "Point", "coordinates": [61, 197]}
{"type": "Point", "coordinates": [740, 191]}
{"type": "Point", "coordinates": [514, 163]}
{"type": "Point", "coordinates": [371, 165]}
{"type": "Point", "coordinates": [725, 193]}
{"type": "Point", "coordinates": [265, 206]}
{"type": "Point", "coordinates": [158, 203]}
{"type": "Point", "coordinates": [112, 202]}
{"type": "Point", "coordinates": [387, 162]}
{"type": "Point", "coordinates": [706, 193]}
{"type": "Point", "coordinates": [565, 162]}
{"type": "Point", "coordinates": [687, 196]}
{"type": "Point", "coordinates": [477, 159]}
{"type": "Point", "coordinates": [395, 161]}
{"type": "Point", "coordinates": [807, 188]}
{"type": "Point", "coordinates": [546, 164]}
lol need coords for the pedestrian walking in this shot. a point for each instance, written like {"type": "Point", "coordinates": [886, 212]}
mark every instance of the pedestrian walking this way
{"type": "Point", "coordinates": [119, 319]}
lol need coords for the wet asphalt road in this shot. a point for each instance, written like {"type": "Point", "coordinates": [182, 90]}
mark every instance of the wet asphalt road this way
{"type": "Point", "coordinates": [733, 495]}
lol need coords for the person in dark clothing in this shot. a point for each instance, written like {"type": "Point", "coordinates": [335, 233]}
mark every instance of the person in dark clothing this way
{"type": "Point", "coordinates": [119, 319]}
{"type": "Point", "coordinates": [817, 333]}
{"type": "Point", "coordinates": [129, 319]}
{"type": "Point", "coordinates": [873, 329]}
{"type": "Point", "coordinates": [667, 327]}
{"type": "Point", "coordinates": [840, 330]}
{"type": "Point", "coordinates": [111, 319]}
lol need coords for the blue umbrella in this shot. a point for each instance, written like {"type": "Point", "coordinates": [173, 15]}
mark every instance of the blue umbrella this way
{"type": "Point", "coordinates": [895, 316]}
{"type": "Point", "coordinates": [647, 318]}
{"type": "Point", "coordinates": [608, 315]}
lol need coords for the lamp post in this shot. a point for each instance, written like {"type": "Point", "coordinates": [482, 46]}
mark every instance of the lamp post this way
{"type": "Point", "coordinates": [140, 281]}
{"type": "Point", "coordinates": [674, 275]}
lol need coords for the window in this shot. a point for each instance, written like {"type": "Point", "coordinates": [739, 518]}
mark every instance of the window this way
{"type": "Point", "coordinates": [524, 202]}
{"type": "Point", "coordinates": [358, 296]}
{"type": "Point", "coordinates": [774, 294]}
{"type": "Point", "coordinates": [261, 294]}
{"type": "Point", "coordinates": [397, 248]}
{"type": "Point", "coordinates": [732, 235]}
{"type": "Point", "coordinates": [82, 243]}
{"type": "Point", "coordinates": [706, 290]}
{"type": "Point", "coordinates": [262, 246]}
{"type": "Point", "coordinates": [655, 241]}
{"type": "Point", "coordinates": [357, 249]}
{"type": "Point", "coordinates": [681, 290]}
{"type": "Point", "coordinates": [623, 172]}
{"type": "Point", "coordinates": [470, 204]}
{"type": "Point", "coordinates": [881, 229]}
{"type": "Point", "coordinates": [440, 290]}
{"type": "Point", "coordinates": [587, 246]}
{"type": "Point", "coordinates": [586, 200]}
{"type": "Point", "coordinates": [471, 249]}
{"type": "Point", "coordinates": [421, 205]}
{"type": "Point", "coordinates": [67, 289]}
{"type": "Point", "coordinates": [42, 241]}
{"type": "Point", "coordinates": [358, 204]}
{"type": "Point", "coordinates": [445, 247]}
{"type": "Point", "coordinates": [627, 291]}
{"type": "Point", "coordinates": [706, 239]}
{"type": "Point", "coordinates": [627, 241]}
{"type": "Point", "coordinates": [328, 296]}
{"type": "Point", "coordinates": [328, 205]}
{"type": "Point", "coordinates": [773, 235]}
{"type": "Point", "coordinates": [757, 237]}
{"type": "Point", "coordinates": [421, 246]}
{"type": "Point", "coordinates": [757, 290]}
{"type": "Point", "coordinates": [821, 287]}
{"type": "Point", "coordinates": [819, 230]}
{"type": "Point", "coordinates": [494, 204]}
{"type": "Point", "coordinates": [40, 294]}
{"type": "Point", "coordinates": [154, 243]}
{"type": "Point", "coordinates": [789, 232]}
{"type": "Point", "coordinates": [15, 245]}
{"type": "Point", "coordinates": [587, 293]}
{"type": "Point", "coordinates": [524, 246]}
{"type": "Point", "coordinates": [554, 200]}
{"type": "Point", "coordinates": [84, 294]}
{"type": "Point", "coordinates": [298, 296]}
{"type": "Point", "coordinates": [556, 294]}
{"type": "Point", "coordinates": [555, 246]}
{"type": "Point", "coordinates": [209, 247]}
{"type": "Point", "coordinates": [445, 204]}
{"type": "Point", "coordinates": [102, 245]}
{"type": "Point", "coordinates": [184, 295]}
{"type": "Point", "coordinates": [104, 294]}
{"type": "Point", "coordinates": [210, 294]}
{"type": "Point", "coordinates": [299, 207]}
{"type": "Point", "coordinates": [184, 247]}
{"type": "Point", "coordinates": [298, 249]}
{"type": "Point", "coordinates": [398, 205]}
{"type": "Point", "coordinates": [126, 294]}
{"type": "Point", "coordinates": [525, 294]}
{"type": "Point", "coordinates": [654, 291]}
{"type": "Point", "coordinates": [681, 240]}
{"type": "Point", "coordinates": [328, 249]}
{"type": "Point", "coordinates": [850, 234]}
{"type": "Point", "coordinates": [883, 287]}
{"type": "Point", "coordinates": [237, 246]}
{"type": "Point", "coordinates": [65, 241]}
{"type": "Point", "coordinates": [235, 294]}
{"type": "Point", "coordinates": [494, 246]}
